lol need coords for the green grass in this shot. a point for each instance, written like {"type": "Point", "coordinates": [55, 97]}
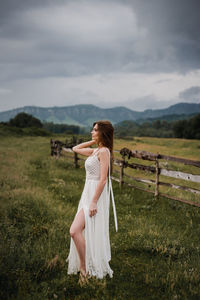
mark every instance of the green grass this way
{"type": "Point", "coordinates": [155, 253]}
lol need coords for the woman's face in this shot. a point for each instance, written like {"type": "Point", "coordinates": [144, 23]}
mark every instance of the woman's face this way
{"type": "Point", "coordinates": [95, 133]}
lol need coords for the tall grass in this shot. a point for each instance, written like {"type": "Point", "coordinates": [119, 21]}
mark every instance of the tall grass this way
{"type": "Point", "coordinates": [155, 254]}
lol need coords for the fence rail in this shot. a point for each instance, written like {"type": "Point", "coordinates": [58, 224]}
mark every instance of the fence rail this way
{"type": "Point", "coordinates": [157, 170]}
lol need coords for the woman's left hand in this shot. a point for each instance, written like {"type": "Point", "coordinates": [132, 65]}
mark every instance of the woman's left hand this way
{"type": "Point", "coordinates": [93, 209]}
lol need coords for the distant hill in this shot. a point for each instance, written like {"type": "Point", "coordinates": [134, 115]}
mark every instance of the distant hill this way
{"type": "Point", "coordinates": [82, 115]}
{"type": "Point", "coordinates": [179, 108]}
{"type": "Point", "coordinates": [85, 115]}
{"type": "Point", "coordinates": [167, 118]}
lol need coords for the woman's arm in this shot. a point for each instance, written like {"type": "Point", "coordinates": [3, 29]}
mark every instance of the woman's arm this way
{"type": "Point", "coordinates": [104, 164]}
{"type": "Point", "coordinates": [82, 148]}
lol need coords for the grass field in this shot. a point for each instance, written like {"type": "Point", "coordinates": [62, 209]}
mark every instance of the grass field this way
{"type": "Point", "coordinates": [155, 253]}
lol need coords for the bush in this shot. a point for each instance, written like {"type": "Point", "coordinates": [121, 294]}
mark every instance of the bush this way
{"type": "Point", "coordinates": [23, 120]}
{"type": "Point", "coordinates": [6, 130]}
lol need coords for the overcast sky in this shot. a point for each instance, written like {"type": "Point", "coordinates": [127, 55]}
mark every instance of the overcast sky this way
{"type": "Point", "coordinates": [137, 53]}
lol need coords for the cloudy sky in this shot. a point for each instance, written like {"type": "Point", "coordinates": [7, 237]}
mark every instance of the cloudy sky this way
{"type": "Point", "coordinates": [137, 53]}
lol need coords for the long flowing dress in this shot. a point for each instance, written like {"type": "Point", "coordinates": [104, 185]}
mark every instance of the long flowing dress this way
{"type": "Point", "coordinates": [96, 231]}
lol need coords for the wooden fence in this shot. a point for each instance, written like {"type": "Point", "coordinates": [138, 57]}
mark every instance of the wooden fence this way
{"type": "Point", "coordinates": [157, 170]}
{"type": "Point", "coordinates": [57, 146]}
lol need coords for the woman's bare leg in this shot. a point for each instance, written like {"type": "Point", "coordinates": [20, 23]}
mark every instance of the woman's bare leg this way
{"type": "Point", "coordinates": [76, 233]}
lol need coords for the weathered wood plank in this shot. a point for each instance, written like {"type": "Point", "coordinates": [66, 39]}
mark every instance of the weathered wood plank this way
{"type": "Point", "coordinates": [135, 166]}
{"type": "Point", "coordinates": [138, 154]}
{"type": "Point", "coordinates": [169, 173]}
{"type": "Point", "coordinates": [67, 149]}
{"type": "Point", "coordinates": [131, 185]}
{"type": "Point", "coordinates": [152, 156]}
{"type": "Point", "coordinates": [180, 175]}
{"type": "Point", "coordinates": [71, 151]}
{"type": "Point", "coordinates": [149, 182]}
{"type": "Point", "coordinates": [184, 188]}
{"type": "Point", "coordinates": [160, 194]}
{"type": "Point", "coordinates": [76, 159]}
{"type": "Point", "coordinates": [157, 177]}
{"type": "Point", "coordinates": [195, 163]}
{"type": "Point", "coordinates": [121, 174]}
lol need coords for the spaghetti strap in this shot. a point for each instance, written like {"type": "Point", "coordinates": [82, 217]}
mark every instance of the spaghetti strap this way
{"type": "Point", "coordinates": [110, 191]}
{"type": "Point", "coordinates": [96, 150]}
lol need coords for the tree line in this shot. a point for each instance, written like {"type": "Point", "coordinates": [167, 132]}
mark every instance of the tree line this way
{"type": "Point", "coordinates": [34, 125]}
{"type": "Point", "coordinates": [187, 129]}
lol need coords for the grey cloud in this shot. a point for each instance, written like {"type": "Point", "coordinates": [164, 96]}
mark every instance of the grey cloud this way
{"type": "Point", "coordinates": [147, 102]}
{"type": "Point", "coordinates": [142, 36]}
{"type": "Point", "coordinates": [173, 31]}
{"type": "Point", "coordinates": [191, 95]}
{"type": "Point", "coordinates": [81, 45]}
{"type": "Point", "coordinates": [67, 38]}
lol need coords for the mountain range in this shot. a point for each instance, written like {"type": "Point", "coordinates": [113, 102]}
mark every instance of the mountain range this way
{"type": "Point", "coordinates": [85, 114]}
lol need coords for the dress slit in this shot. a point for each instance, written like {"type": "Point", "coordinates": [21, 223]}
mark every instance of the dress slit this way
{"type": "Point", "coordinates": [78, 212]}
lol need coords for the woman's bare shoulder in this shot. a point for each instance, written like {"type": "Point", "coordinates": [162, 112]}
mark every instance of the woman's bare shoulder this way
{"type": "Point", "coordinates": [104, 150]}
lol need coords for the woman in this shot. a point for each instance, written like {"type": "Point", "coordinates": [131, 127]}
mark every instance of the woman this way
{"type": "Point", "coordinates": [90, 244]}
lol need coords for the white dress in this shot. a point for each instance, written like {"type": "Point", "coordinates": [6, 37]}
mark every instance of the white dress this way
{"type": "Point", "coordinates": [96, 230]}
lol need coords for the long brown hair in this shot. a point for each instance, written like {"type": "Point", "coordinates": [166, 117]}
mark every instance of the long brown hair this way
{"type": "Point", "coordinates": [106, 133]}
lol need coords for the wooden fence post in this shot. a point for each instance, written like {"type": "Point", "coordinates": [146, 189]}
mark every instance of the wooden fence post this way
{"type": "Point", "coordinates": [157, 177]}
{"type": "Point", "coordinates": [121, 174]}
{"type": "Point", "coordinates": [76, 160]}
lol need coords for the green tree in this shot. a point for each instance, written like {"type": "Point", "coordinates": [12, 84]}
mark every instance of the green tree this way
{"type": "Point", "coordinates": [195, 126]}
{"type": "Point", "coordinates": [157, 124]}
{"type": "Point", "coordinates": [179, 128]}
{"type": "Point", "coordinates": [24, 120]}
{"type": "Point", "coordinates": [188, 129]}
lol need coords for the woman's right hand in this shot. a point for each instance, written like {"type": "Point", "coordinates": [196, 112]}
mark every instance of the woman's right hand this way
{"type": "Point", "coordinates": [93, 209]}
{"type": "Point", "coordinates": [83, 148]}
